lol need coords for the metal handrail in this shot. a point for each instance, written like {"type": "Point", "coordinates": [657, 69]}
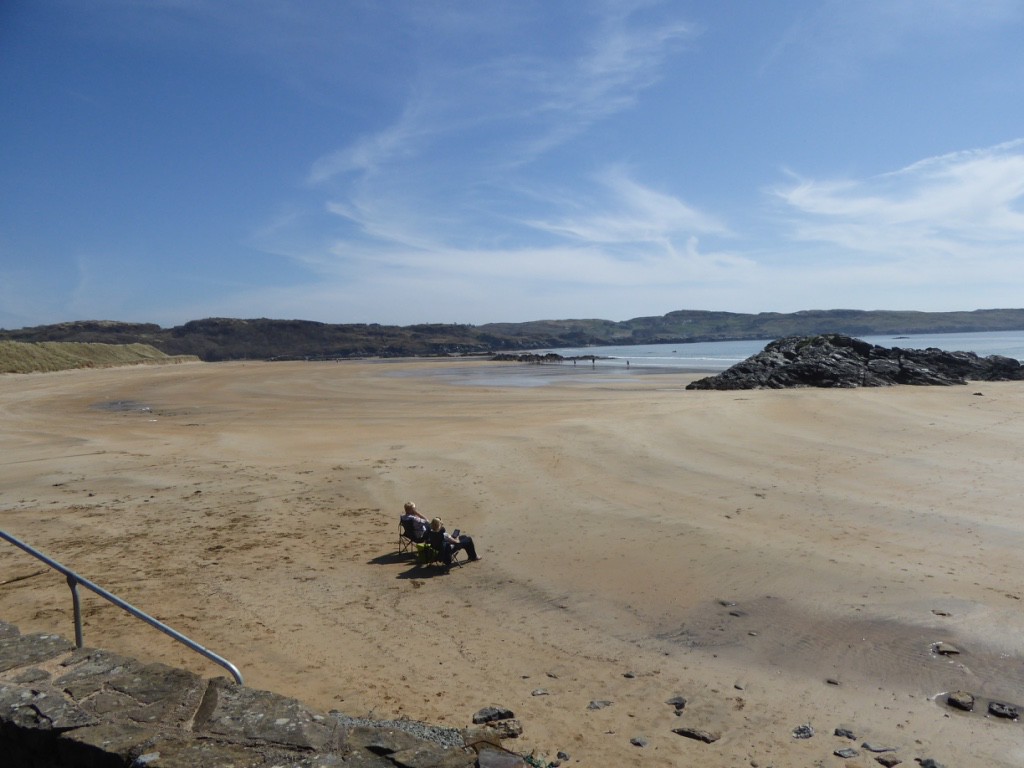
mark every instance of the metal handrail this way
{"type": "Point", "coordinates": [74, 580]}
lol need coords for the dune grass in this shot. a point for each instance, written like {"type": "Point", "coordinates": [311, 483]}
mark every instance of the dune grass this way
{"type": "Point", "coordinates": [49, 356]}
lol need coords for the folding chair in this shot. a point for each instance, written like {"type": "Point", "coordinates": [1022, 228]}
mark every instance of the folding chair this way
{"type": "Point", "coordinates": [429, 554]}
{"type": "Point", "coordinates": [407, 537]}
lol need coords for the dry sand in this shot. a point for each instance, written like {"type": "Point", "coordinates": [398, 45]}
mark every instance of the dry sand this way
{"type": "Point", "coordinates": [255, 509]}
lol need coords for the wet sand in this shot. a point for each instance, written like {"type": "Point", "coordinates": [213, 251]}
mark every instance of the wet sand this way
{"type": "Point", "coordinates": [777, 558]}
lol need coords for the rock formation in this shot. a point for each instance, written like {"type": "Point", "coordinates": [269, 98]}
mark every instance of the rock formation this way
{"type": "Point", "coordinates": [834, 360]}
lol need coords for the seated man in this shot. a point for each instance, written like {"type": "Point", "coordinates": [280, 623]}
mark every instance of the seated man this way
{"type": "Point", "coordinates": [449, 545]}
{"type": "Point", "coordinates": [414, 523]}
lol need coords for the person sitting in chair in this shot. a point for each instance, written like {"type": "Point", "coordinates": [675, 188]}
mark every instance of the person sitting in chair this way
{"type": "Point", "coordinates": [415, 524]}
{"type": "Point", "coordinates": [448, 545]}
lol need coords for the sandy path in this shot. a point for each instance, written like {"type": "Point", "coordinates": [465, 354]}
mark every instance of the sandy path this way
{"type": "Point", "coordinates": [623, 523]}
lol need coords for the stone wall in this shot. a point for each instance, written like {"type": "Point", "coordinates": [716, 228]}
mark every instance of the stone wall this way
{"type": "Point", "coordinates": [63, 707]}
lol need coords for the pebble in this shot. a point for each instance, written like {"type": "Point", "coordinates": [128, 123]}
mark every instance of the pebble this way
{"type": "Point", "coordinates": [1003, 710]}
{"type": "Point", "coordinates": [961, 700]}
{"type": "Point", "coordinates": [803, 731]}
{"type": "Point", "coordinates": [876, 748]}
{"type": "Point", "coordinates": [677, 701]}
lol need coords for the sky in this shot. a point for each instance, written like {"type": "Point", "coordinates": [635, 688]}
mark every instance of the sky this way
{"type": "Point", "coordinates": [419, 161]}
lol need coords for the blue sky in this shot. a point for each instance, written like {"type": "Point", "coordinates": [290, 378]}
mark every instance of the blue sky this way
{"type": "Point", "coordinates": [472, 162]}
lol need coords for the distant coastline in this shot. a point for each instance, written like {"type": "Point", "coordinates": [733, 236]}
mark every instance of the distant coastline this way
{"type": "Point", "coordinates": [217, 339]}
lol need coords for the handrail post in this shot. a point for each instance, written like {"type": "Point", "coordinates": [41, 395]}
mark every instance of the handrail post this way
{"type": "Point", "coordinates": [74, 580]}
{"type": "Point", "coordinates": [77, 604]}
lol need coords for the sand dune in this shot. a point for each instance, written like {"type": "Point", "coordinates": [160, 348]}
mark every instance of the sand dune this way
{"type": "Point", "coordinates": [777, 558]}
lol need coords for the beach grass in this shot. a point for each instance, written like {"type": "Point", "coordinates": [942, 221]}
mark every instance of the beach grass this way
{"type": "Point", "coordinates": [50, 356]}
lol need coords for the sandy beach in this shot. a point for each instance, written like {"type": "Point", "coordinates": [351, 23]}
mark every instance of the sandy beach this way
{"type": "Point", "coordinates": [778, 558]}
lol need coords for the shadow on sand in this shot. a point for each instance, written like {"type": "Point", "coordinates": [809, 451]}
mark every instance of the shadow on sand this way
{"type": "Point", "coordinates": [414, 570]}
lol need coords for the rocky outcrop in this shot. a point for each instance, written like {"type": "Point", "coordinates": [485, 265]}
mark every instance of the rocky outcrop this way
{"type": "Point", "coordinates": [62, 707]}
{"type": "Point", "coordinates": [834, 360]}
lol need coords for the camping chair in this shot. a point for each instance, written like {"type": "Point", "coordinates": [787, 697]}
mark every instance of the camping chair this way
{"type": "Point", "coordinates": [408, 539]}
{"type": "Point", "coordinates": [427, 554]}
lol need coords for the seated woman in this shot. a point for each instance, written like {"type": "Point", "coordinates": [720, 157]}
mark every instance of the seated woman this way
{"type": "Point", "coordinates": [449, 545]}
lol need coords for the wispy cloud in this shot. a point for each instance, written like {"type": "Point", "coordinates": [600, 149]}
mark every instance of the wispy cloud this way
{"type": "Point", "coordinates": [515, 105]}
{"type": "Point", "coordinates": [961, 206]}
{"type": "Point", "coordinates": [632, 213]}
{"type": "Point", "coordinates": [418, 194]}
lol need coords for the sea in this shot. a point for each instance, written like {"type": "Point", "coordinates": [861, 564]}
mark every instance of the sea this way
{"type": "Point", "coordinates": [620, 363]}
{"type": "Point", "coordinates": [715, 356]}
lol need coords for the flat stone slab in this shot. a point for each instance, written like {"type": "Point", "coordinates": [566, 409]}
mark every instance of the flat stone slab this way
{"type": "Point", "coordinates": [42, 707]}
{"type": "Point", "coordinates": [433, 756]}
{"type": "Point", "coordinates": [23, 650]}
{"type": "Point", "coordinates": [495, 758]}
{"type": "Point", "coordinates": [241, 714]}
{"type": "Point", "coordinates": [173, 753]}
{"type": "Point", "coordinates": [118, 738]}
{"type": "Point", "coordinates": [112, 685]}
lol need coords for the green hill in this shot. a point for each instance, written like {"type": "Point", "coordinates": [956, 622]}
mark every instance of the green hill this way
{"type": "Point", "coordinates": [45, 356]}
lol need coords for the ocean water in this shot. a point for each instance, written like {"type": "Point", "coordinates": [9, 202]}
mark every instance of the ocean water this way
{"type": "Point", "coordinates": [718, 355]}
{"type": "Point", "coordinates": [618, 364]}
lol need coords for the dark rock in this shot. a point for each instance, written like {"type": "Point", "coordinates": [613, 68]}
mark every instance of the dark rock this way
{"type": "Point", "coordinates": [945, 649]}
{"type": "Point", "coordinates": [845, 733]}
{"type": "Point", "coordinates": [846, 752]}
{"type": "Point", "coordinates": [961, 700]}
{"type": "Point", "coordinates": [1003, 710]}
{"type": "Point", "coordinates": [639, 741]}
{"type": "Point", "coordinates": [679, 702]}
{"type": "Point", "coordinates": [487, 714]}
{"type": "Point", "coordinates": [835, 360]}
{"type": "Point", "coordinates": [889, 761]}
{"type": "Point", "coordinates": [599, 704]}
{"type": "Point", "coordinates": [927, 762]}
{"type": "Point", "coordinates": [506, 729]}
{"type": "Point", "coordinates": [698, 734]}
{"type": "Point", "coordinates": [803, 732]}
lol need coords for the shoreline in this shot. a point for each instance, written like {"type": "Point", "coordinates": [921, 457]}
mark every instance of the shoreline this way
{"type": "Point", "coordinates": [255, 506]}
